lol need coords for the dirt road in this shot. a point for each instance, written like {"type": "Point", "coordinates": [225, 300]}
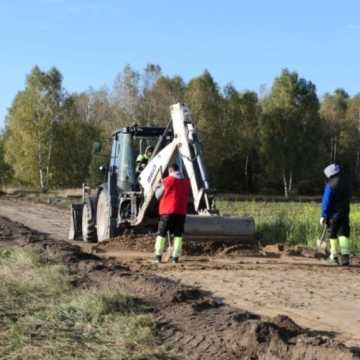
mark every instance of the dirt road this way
{"type": "Point", "coordinates": [190, 323]}
{"type": "Point", "coordinates": [315, 295]}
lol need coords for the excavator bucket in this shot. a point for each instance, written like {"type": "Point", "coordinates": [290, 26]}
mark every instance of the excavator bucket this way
{"type": "Point", "coordinates": [226, 229]}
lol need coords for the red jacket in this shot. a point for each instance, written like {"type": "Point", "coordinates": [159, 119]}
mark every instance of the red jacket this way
{"type": "Point", "coordinates": [174, 199]}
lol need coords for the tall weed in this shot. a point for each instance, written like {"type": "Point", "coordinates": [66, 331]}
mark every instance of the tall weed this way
{"type": "Point", "coordinates": [293, 223]}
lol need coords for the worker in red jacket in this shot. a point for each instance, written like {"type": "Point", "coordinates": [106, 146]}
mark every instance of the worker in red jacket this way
{"type": "Point", "coordinates": [173, 194]}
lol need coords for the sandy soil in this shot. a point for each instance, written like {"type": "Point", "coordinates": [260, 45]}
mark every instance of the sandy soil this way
{"type": "Point", "coordinates": [48, 219]}
{"type": "Point", "coordinates": [313, 294]}
{"type": "Point", "coordinates": [190, 322]}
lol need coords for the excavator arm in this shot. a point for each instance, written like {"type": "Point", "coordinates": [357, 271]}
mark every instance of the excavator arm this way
{"type": "Point", "coordinates": [206, 223]}
{"type": "Point", "coordinates": [189, 149]}
{"type": "Point", "coordinates": [185, 144]}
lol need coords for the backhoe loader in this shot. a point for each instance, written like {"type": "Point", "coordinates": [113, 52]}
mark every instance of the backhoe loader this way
{"type": "Point", "coordinates": [126, 200]}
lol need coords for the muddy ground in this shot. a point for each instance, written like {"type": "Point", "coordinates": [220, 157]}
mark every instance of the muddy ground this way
{"type": "Point", "coordinates": [266, 306]}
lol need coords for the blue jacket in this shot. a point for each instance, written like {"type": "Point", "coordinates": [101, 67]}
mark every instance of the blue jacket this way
{"type": "Point", "coordinates": [336, 198]}
{"type": "Point", "coordinates": [326, 210]}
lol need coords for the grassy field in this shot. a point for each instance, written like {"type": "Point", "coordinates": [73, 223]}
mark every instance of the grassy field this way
{"type": "Point", "coordinates": [288, 222]}
{"type": "Point", "coordinates": [43, 316]}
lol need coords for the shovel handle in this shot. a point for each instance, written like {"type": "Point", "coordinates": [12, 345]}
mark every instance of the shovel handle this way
{"type": "Point", "coordinates": [323, 233]}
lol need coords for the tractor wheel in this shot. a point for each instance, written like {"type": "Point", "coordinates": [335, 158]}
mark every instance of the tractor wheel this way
{"type": "Point", "coordinates": [103, 217]}
{"type": "Point", "coordinates": [88, 224]}
{"type": "Point", "coordinates": [75, 222]}
{"type": "Point", "coordinates": [72, 231]}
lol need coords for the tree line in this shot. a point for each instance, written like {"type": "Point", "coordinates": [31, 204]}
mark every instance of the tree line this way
{"type": "Point", "coordinates": [274, 142]}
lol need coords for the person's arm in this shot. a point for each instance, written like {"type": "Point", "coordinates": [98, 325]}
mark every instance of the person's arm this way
{"type": "Point", "coordinates": [326, 203]}
{"type": "Point", "coordinates": [159, 191]}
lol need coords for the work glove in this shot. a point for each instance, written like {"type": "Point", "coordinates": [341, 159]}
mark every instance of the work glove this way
{"type": "Point", "coordinates": [323, 221]}
{"type": "Point", "coordinates": [159, 191]}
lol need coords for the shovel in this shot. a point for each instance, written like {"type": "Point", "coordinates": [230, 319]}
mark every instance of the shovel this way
{"type": "Point", "coordinates": [321, 243]}
{"type": "Point", "coordinates": [168, 252]}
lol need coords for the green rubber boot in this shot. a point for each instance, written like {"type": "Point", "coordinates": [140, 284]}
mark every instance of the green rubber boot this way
{"type": "Point", "coordinates": [159, 248]}
{"type": "Point", "coordinates": [177, 249]}
{"type": "Point", "coordinates": [334, 251]}
{"type": "Point", "coordinates": [344, 243]}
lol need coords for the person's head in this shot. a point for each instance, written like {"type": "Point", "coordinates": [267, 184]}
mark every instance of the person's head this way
{"type": "Point", "coordinates": [332, 170]}
{"type": "Point", "coordinates": [148, 151]}
{"type": "Point", "coordinates": [173, 168]}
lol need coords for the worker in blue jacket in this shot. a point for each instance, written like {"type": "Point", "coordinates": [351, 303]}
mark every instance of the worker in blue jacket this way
{"type": "Point", "coordinates": [335, 213]}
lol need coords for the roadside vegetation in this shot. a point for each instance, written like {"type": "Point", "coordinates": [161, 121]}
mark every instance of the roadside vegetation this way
{"type": "Point", "coordinates": [294, 223]}
{"type": "Point", "coordinates": [44, 316]}
{"type": "Point", "coordinates": [276, 141]}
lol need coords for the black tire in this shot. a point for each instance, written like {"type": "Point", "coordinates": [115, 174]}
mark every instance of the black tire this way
{"type": "Point", "coordinates": [88, 224]}
{"type": "Point", "coordinates": [72, 231]}
{"type": "Point", "coordinates": [103, 217]}
{"type": "Point", "coordinates": [75, 222]}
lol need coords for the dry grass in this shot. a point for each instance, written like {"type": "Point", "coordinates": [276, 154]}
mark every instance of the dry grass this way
{"type": "Point", "coordinates": [42, 316]}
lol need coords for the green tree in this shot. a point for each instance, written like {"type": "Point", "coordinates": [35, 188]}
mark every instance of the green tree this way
{"type": "Point", "coordinates": [290, 128]}
{"type": "Point", "coordinates": [206, 104]}
{"type": "Point", "coordinates": [74, 139]}
{"type": "Point", "coordinates": [30, 124]}
{"type": "Point", "coordinates": [165, 91]}
{"type": "Point", "coordinates": [6, 172]}
{"type": "Point", "coordinates": [99, 158]}
{"type": "Point", "coordinates": [241, 114]}
{"type": "Point", "coordinates": [333, 110]}
{"type": "Point", "coordinates": [349, 140]}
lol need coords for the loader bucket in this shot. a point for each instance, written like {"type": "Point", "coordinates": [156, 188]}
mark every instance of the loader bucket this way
{"type": "Point", "coordinates": [233, 229]}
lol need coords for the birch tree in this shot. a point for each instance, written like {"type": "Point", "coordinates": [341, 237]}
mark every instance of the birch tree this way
{"type": "Point", "coordinates": [290, 128]}
{"type": "Point", "coordinates": [30, 126]}
{"type": "Point", "coordinates": [126, 96]}
{"type": "Point", "coordinates": [333, 110]}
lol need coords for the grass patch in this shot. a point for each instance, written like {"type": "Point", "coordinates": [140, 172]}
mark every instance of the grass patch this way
{"type": "Point", "coordinates": [42, 316]}
{"type": "Point", "coordinates": [293, 223]}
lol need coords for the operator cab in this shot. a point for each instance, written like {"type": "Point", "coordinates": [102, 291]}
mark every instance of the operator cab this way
{"type": "Point", "coordinates": [128, 144]}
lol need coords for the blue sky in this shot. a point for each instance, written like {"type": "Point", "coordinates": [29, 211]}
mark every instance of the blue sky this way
{"type": "Point", "coordinates": [245, 42]}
